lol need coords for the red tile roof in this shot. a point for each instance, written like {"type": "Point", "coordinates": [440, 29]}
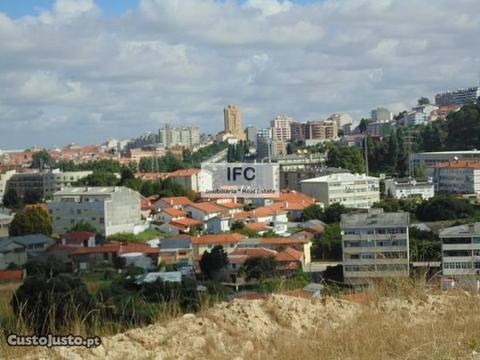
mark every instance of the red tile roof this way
{"type": "Point", "coordinates": [257, 226]}
{"type": "Point", "coordinates": [253, 252]}
{"type": "Point", "coordinates": [11, 275]}
{"type": "Point", "coordinates": [231, 205]}
{"type": "Point", "coordinates": [218, 239]}
{"type": "Point", "coordinates": [145, 203]}
{"type": "Point", "coordinates": [186, 222]}
{"type": "Point", "coordinates": [174, 212]}
{"type": "Point", "coordinates": [282, 240]}
{"type": "Point", "coordinates": [207, 207]}
{"type": "Point", "coordinates": [266, 211]}
{"type": "Point", "coordinates": [176, 200]}
{"type": "Point", "coordinates": [116, 247]}
{"type": "Point", "coordinates": [289, 254]}
{"type": "Point", "coordinates": [183, 172]}
{"type": "Point", "coordinates": [241, 215]}
{"type": "Point", "coordinates": [78, 237]}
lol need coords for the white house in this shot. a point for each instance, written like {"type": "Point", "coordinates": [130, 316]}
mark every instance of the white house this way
{"type": "Point", "coordinates": [404, 188]}
{"type": "Point", "coordinates": [204, 211]}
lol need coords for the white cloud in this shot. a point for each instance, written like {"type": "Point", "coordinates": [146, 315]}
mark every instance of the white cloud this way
{"type": "Point", "coordinates": [72, 73]}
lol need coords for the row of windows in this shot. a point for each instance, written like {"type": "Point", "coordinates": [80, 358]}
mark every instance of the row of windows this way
{"type": "Point", "coordinates": [377, 243]}
{"type": "Point", "coordinates": [382, 231]}
{"type": "Point", "coordinates": [461, 265]}
{"type": "Point", "coordinates": [381, 267]}
{"type": "Point", "coordinates": [380, 255]}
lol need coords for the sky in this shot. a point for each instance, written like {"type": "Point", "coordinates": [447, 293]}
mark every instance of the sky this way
{"type": "Point", "coordinates": [84, 71]}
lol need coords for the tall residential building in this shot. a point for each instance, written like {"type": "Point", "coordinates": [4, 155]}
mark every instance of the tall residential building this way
{"type": "Point", "coordinates": [381, 115]}
{"type": "Point", "coordinates": [458, 97]}
{"type": "Point", "coordinates": [251, 133]}
{"type": "Point", "coordinates": [350, 190]}
{"type": "Point", "coordinates": [264, 144]}
{"type": "Point", "coordinates": [319, 131]}
{"type": "Point", "coordinates": [281, 130]}
{"type": "Point", "coordinates": [110, 210]}
{"type": "Point", "coordinates": [461, 251]}
{"type": "Point", "coordinates": [413, 118]}
{"type": "Point", "coordinates": [375, 245]}
{"type": "Point", "coordinates": [172, 136]}
{"type": "Point", "coordinates": [341, 119]}
{"type": "Point", "coordinates": [297, 131]}
{"type": "Point", "coordinates": [233, 121]}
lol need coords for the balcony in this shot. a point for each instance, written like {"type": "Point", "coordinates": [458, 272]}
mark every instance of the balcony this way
{"type": "Point", "coordinates": [468, 246]}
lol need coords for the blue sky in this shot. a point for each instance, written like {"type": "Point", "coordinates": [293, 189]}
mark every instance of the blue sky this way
{"type": "Point", "coordinates": [19, 8]}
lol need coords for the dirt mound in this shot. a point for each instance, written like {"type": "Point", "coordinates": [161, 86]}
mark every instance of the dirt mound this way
{"type": "Point", "coordinates": [245, 329]}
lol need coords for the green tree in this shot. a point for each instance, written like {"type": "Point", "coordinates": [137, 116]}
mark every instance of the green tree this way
{"type": "Point", "coordinates": [48, 305]}
{"type": "Point", "coordinates": [32, 197]}
{"type": "Point", "coordinates": [424, 245]}
{"type": "Point", "coordinates": [363, 125]}
{"type": "Point", "coordinates": [260, 267]}
{"type": "Point", "coordinates": [463, 128]}
{"type": "Point", "coordinates": [99, 179]}
{"type": "Point", "coordinates": [11, 199]}
{"type": "Point", "coordinates": [312, 212]}
{"type": "Point", "coordinates": [82, 225]}
{"type": "Point", "coordinates": [42, 160]}
{"type": "Point", "coordinates": [31, 221]}
{"type": "Point", "coordinates": [329, 244]}
{"type": "Point", "coordinates": [213, 262]}
{"type": "Point", "coordinates": [237, 225]}
{"type": "Point", "coordinates": [444, 207]}
{"type": "Point", "coordinates": [349, 158]}
{"type": "Point", "coordinates": [333, 213]}
{"type": "Point", "coordinates": [423, 101]}
{"type": "Point", "coordinates": [126, 175]}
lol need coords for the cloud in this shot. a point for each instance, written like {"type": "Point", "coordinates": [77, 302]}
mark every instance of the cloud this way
{"type": "Point", "coordinates": [71, 74]}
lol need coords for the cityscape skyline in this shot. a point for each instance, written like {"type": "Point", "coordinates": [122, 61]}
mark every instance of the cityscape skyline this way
{"type": "Point", "coordinates": [84, 71]}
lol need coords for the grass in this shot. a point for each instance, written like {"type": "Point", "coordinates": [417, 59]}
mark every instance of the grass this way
{"type": "Point", "coordinates": [142, 237]}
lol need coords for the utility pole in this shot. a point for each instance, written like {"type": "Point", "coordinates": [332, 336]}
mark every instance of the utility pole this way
{"type": "Point", "coordinates": [366, 153]}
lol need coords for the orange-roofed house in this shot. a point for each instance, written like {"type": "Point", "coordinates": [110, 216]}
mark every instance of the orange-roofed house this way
{"type": "Point", "coordinates": [231, 207]}
{"type": "Point", "coordinates": [458, 176]}
{"type": "Point", "coordinates": [79, 239]}
{"type": "Point", "coordinates": [115, 253]}
{"type": "Point", "coordinates": [290, 259]}
{"type": "Point", "coordinates": [204, 243]}
{"type": "Point", "coordinates": [260, 228]}
{"type": "Point", "coordinates": [204, 211]}
{"type": "Point", "coordinates": [189, 178]}
{"type": "Point", "coordinates": [170, 214]}
{"type": "Point", "coordinates": [177, 202]}
{"type": "Point", "coordinates": [238, 256]}
{"type": "Point", "coordinates": [272, 216]}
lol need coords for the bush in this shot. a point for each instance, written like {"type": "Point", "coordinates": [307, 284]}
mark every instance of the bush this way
{"type": "Point", "coordinates": [50, 305]}
{"type": "Point", "coordinates": [444, 207]}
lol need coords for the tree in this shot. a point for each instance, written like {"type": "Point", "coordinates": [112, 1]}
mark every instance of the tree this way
{"type": "Point", "coordinates": [312, 212]}
{"type": "Point", "coordinates": [260, 267]}
{"type": "Point", "coordinates": [423, 101]}
{"type": "Point", "coordinates": [82, 225]}
{"type": "Point", "coordinates": [329, 244]}
{"type": "Point", "coordinates": [444, 207]}
{"type": "Point", "coordinates": [213, 262]}
{"type": "Point", "coordinates": [48, 305]}
{"type": "Point", "coordinates": [363, 125]}
{"type": "Point", "coordinates": [463, 128]}
{"type": "Point", "coordinates": [42, 160]}
{"type": "Point", "coordinates": [333, 213]}
{"type": "Point", "coordinates": [237, 225]}
{"type": "Point", "coordinates": [31, 221]}
{"type": "Point", "coordinates": [349, 158]}
{"type": "Point", "coordinates": [32, 197]}
{"type": "Point", "coordinates": [126, 174]}
{"type": "Point", "coordinates": [424, 245]}
{"type": "Point", "coordinates": [11, 199]}
{"type": "Point", "coordinates": [99, 179]}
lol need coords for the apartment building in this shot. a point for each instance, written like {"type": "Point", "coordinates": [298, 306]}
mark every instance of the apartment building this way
{"type": "Point", "coordinates": [379, 128]}
{"type": "Point", "coordinates": [375, 245]}
{"type": "Point", "coordinates": [251, 134]}
{"type": "Point", "coordinates": [233, 121]}
{"type": "Point", "coordinates": [458, 97]}
{"type": "Point", "coordinates": [342, 119]}
{"type": "Point", "coordinates": [173, 136]}
{"type": "Point", "coordinates": [461, 250]}
{"type": "Point", "coordinates": [404, 188]}
{"type": "Point", "coordinates": [459, 176]}
{"type": "Point", "coordinates": [319, 131]}
{"type": "Point", "coordinates": [109, 210]}
{"type": "Point", "coordinates": [281, 128]}
{"type": "Point", "coordinates": [46, 182]}
{"type": "Point", "coordinates": [429, 159]}
{"type": "Point", "coordinates": [350, 190]}
{"type": "Point", "coordinates": [381, 115]}
{"type": "Point", "coordinates": [413, 118]}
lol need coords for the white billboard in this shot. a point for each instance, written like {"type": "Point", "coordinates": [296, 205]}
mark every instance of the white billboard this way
{"type": "Point", "coordinates": [247, 180]}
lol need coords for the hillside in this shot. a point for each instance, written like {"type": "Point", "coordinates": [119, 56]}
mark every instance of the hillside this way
{"type": "Point", "coordinates": [417, 325]}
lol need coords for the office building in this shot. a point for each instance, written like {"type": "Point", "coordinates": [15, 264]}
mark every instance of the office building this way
{"type": "Point", "coordinates": [375, 245]}
{"type": "Point", "coordinates": [281, 128]}
{"type": "Point", "coordinates": [404, 188]}
{"type": "Point", "coordinates": [428, 159]}
{"type": "Point", "coordinates": [458, 97]}
{"type": "Point", "coordinates": [109, 210]}
{"type": "Point", "coordinates": [233, 122]}
{"type": "Point", "coordinates": [458, 176]}
{"type": "Point", "coordinates": [381, 115]}
{"type": "Point", "coordinates": [461, 251]}
{"type": "Point", "coordinates": [350, 190]}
